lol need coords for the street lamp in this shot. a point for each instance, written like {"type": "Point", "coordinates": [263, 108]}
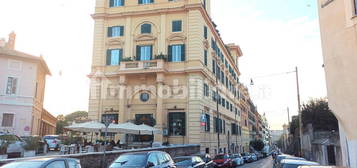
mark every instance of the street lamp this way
{"type": "Point", "coordinates": [298, 99]}
{"type": "Point", "coordinates": [106, 121]}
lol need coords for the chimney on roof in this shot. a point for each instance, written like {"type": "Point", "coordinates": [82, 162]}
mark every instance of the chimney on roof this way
{"type": "Point", "coordinates": [11, 42]}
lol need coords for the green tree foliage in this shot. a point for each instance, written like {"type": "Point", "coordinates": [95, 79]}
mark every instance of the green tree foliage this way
{"type": "Point", "coordinates": [294, 125]}
{"type": "Point", "coordinates": [73, 116]}
{"type": "Point", "coordinates": [68, 119]}
{"type": "Point", "coordinates": [258, 145]}
{"type": "Point", "coordinates": [317, 113]}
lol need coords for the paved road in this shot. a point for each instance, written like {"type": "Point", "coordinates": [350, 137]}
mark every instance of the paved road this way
{"type": "Point", "coordinates": [263, 163]}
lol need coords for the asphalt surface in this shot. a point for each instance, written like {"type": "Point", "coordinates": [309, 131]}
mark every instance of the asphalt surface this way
{"type": "Point", "coordinates": [263, 163]}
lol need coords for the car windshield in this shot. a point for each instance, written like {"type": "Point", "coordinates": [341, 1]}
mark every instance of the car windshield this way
{"type": "Point", "coordinates": [183, 161]}
{"type": "Point", "coordinates": [221, 157]}
{"type": "Point", "coordinates": [176, 160]}
{"type": "Point", "coordinates": [27, 164]}
{"type": "Point", "coordinates": [245, 154]}
{"type": "Point", "coordinates": [134, 160]}
{"type": "Point", "coordinates": [50, 137]}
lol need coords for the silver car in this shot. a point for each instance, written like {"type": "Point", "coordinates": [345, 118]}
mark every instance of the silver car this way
{"type": "Point", "coordinates": [15, 148]}
{"type": "Point", "coordinates": [45, 163]}
{"type": "Point", "coordinates": [288, 163]}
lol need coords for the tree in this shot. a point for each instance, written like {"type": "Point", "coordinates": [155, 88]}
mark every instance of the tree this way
{"type": "Point", "coordinates": [258, 145]}
{"type": "Point", "coordinates": [317, 113]}
{"type": "Point", "coordinates": [60, 125]}
{"type": "Point", "coordinates": [77, 114]}
{"type": "Point", "coordinates": [294, 125]}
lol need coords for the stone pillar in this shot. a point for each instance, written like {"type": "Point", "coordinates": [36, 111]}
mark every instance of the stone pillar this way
{"type": "Point", "coordinates": [123, 112]}
{"type": "Point", "coordinates": [159, 106]}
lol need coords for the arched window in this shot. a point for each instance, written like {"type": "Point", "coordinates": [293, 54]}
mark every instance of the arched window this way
{"type": "Point", "coordinates": [145, 28]}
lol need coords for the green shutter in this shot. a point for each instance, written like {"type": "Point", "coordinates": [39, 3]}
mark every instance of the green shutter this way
{"type": "Point", "coordinates": [140, 2]}
{"type": "Point", "coordinates": [121, 30]}
{"type": "Point", "coordinates": [183, 53]}
{"type": "Point", "coordinates": [111, 4]}
{"type": "Point", "coordinates": [170, 54]}
{"type": "Point", "coordinates": [152, 1]}
{"type": "Point", "coordinates": [120, 55]}
{"type": "Point", "coordinates": [151, 52]}
{"type": "Point", "coordinates": [109, 55]}
{"type": "Point", "coordinates": [109, 31]}
{"type": "Point", "coordinates": [138, 55]}
{"type": "Point", "coordinates": [122, 2]}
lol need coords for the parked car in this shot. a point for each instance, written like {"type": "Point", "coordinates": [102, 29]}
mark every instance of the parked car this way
{"type": "Point", "coordinates": [247, 157]}
{"type": "Point", "coordinates": [223, 161]}
{"type": "Point", "coordinates": [53, 141]}
{"type": "Point", "coordinates": [189, 162]}
{"type": "Point", "coordinates": [259, 155]}
{"type": "Point", "coordinates": [45, 163]}
{"type": "Point", "coordinates": [237, 160]}
{"type": "Point", "coordinates": [152, 159]}
{"type": "Point", "coordinates": [15, 148]}
{"type": "Point", "coordinates": [278, 158]}
{"type": "Point", "coordinates": [287, 163]}
{"type": "Point", "coordinates": [278, 164]}
{"type": "Point", "coordinates": [254, 157]}
{"type": "Point", "coordinates": [208, 160]}
{"type": "Point", "coordinates": [321, 167]}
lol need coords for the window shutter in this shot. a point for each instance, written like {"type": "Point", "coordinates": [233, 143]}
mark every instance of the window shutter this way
{"type": "Point", "coordinates": [109, 31]}
{"type": "Point", "coordinates": [151, 52]}
{"type": "Point", "coordinates": [170, 54]}
{"type": "Point", "coordinates": [184, 124]}
{"type": "Point", "coordinates": [183, 53]}
{"type": "Point", "coordinates": [152, 1]}
{"type": "Point", "coordinates": [122, 2]}
{"type": "Point", "coordinates": [138, 53]}
{"type": "Point", "coordinates": [109, 55]}
{"type": "Point", "coordinates": [111, 4]}
{"type": "Point", "coordinates": [122, 29]}
{"type": "Point", "coordinates": [120, 55]}
{"type": "Point", "coordinates": [140, 2]}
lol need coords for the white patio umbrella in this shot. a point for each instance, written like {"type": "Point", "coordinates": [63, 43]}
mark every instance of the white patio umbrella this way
{"type": "Point", "coordinates": [149, 130]}
{"type": "Point", "coordinates": [92, 126]}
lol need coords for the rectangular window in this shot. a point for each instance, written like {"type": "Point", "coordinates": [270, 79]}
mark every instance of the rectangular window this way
{"type": "Point", "coordinates": [146, 1]}
{"type": "Point", "coordinates": [218, 125]}
{"type": "Point", "coordinates": [206, 90]}
{"type": "Point", "coordinates": [115, 31]}
{"type": "Point", "coordinates": [145, 28]}
{"type": "Point", "coordinates": [355, 4]}
{"type": "Point", "coordinates": [144, 53]}
{"type": "Point", "coordinates": [116, 3]}
{"type": "Point", "coordinates": [176, 26]}
{"type": "Point", "coordinates": [7, 120]}
{"type": "Point", "coordinates": [177, 124]}
{"type": "Point", "coordinates": [223, 102]}
{"type": "Point", "coordinates": [205, 57]}
{"type": "Point", "coordinates": [114, 56]}
{"type": "Point", "coordinates": [214, 66]}
{"type": "Point", "coordinates": [177, 53]}
{"type": "Point", "coordinates": [222, 77]}
{"type": "Point", "coordinates": [227, 105]}
{"type": "Point", "coordinates": [208, 123]}
{"type": "Point", "coordinates": [205, 32]}
{"type": "Point", "coordinates": [11, 87]}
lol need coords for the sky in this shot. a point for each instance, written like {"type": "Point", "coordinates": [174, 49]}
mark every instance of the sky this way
{"type": "Point", "coordinates": [275, 36]}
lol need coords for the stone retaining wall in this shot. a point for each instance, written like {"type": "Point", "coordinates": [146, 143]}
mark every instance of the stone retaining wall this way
{"type": "Point", "coordinates": [94, 160]}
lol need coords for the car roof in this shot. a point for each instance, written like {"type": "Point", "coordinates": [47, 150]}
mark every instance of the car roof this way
{"type": "Point", "coordinates": [321, 167]}
{"type": "Point", "coordinates": [45, 159]}
{"type": "Point", "coordinates": [290, 161]}
{"type": "Point", "coordinates": [143, 153]}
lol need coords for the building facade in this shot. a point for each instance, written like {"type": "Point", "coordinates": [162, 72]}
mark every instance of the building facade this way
{"type": "Point", "coordinates": [338, 24]}
{"type": "Point", "coordinates": [22, 90]}
{"type": "Point", "coordinates": [164, 63]}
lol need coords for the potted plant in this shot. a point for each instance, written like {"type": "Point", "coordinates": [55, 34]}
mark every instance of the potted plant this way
{"type": "Point", "coordinates": [3, 150]}
{"type": "Point", "coordinates": [161, 56]}
{"type": "Point", "coordinates": [127, 59]}
{"type": "Point", "coordinates": [31, 145]}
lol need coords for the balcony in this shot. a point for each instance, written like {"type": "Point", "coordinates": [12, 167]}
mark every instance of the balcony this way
{"type": "Point", "coordinates": [142, 66]}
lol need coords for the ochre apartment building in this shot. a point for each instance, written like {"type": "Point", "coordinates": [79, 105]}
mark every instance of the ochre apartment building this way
{"type": "Point", "coordinates": [159, 62]}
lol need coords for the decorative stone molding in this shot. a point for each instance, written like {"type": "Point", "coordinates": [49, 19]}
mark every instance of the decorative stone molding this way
{"type": "Point", "coordinates": [115, 42]}
{"type": "Point", "coordinates": [177, 37]}
{"type": "Point", "coordinates": [145, 37]}
{"type": "Point", "coordinates": [206, 44]}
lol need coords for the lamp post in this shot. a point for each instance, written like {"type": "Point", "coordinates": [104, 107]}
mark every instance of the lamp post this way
{"type": "Point", "coordinates": [107, 122]}
{"type": "Point", "coordinates": [298, 99]}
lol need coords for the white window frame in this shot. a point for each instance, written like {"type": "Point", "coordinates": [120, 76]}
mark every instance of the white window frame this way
{"type": "Point", "coordinates": [17, 85]}
{"type": "Point", "coordinates": [13, 120]}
